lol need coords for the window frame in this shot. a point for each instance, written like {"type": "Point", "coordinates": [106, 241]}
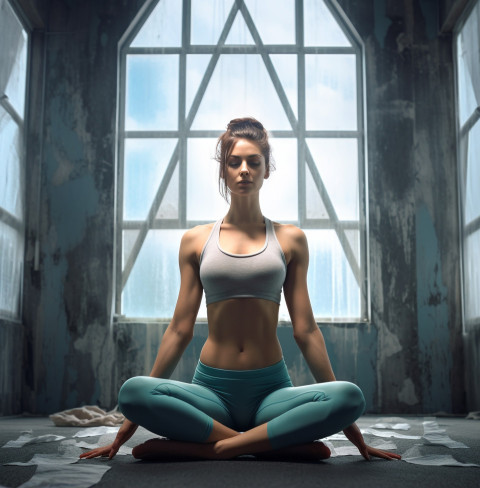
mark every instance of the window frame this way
{"type": "Point", "coordinates": [298, 131]}
{"type": "Point", "coordinates": [19, 225]}
{"type": "Point", "coordinates": [463, 133]}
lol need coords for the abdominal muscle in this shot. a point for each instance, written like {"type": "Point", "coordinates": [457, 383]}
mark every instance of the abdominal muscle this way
{"type": "Point", "coordinates": [242, 334]}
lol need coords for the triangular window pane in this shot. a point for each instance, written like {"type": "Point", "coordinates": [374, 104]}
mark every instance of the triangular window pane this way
{"type": "Point", "coordinates": [286, 67]}
{"type": "Point", "coordinates": [279, 195]}
{"type": "Point", "coordinates": [239, 33]}
{"type": "Point", "coordinates": [208, 20]}
{"type": "Point", "coordinates": [274, 20]}
{"type": "Point", "coordinates": [196, 67]}
{"type": "Point", "coordinates": [353, 237]}
{"type": "Point", "coordinates": [337, 163]}
{"type": "Point", "coordinates": [321, 27]}
{"type": "Point", "coordinates": [163, 27]}
{"type": "Point", "coordinates": [145, 163]}
{"type": "Point", "coordinates": [249, 91]}
{"type": "Point", "coordinates": [129, 238]}
{"type": "Point", "coordinates": [169, 206]}
{"type": "Point", "coordinates": [315, 206]}
{"type": "Point", "coordinates": [204, 202]}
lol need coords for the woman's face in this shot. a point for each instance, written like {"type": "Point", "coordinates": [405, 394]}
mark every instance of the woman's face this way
{"type": "Point", "coordinates": [245, 168]}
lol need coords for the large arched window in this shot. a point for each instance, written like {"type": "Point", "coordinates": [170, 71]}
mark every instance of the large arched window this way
{"type": "Point", "coordinates": [186, 69]}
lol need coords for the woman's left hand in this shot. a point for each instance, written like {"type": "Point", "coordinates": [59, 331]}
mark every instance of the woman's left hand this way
{"type": "Point", "coordinates": [354, 435]}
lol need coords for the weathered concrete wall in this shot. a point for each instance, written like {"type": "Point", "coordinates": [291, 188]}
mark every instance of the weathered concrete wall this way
{"type": "Point", "coordinates": [409, 359]}
{"type": "Point", "coordinates": [68, 299]}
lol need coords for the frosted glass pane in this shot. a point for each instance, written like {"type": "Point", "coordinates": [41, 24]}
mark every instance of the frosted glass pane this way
{"type": "Point", "coordinates": [468, 57]}
{"type": "Point", "coordinates": [152, 287]}
{"type": "Point", "coordinates": [11, 267]}
{"type": "Point", "coordinates": [337, 163]}
{"type": "Point", "coordinates": [321, 27]}
{"type": "Point", "coordinates": [315, 206]}
{"type": "Point", "coordinates": [145, 163]}
{"type": "Point", "coordinates": [333, 290]}
{"type": "Point", "coordinates": [152, 92]}
{"type": "Point", "coordinates": [279, 194]}
{"type": "Point", "coordinates": [331, 91]}
{"type": "Point", "coordinates": [274, 20]}
{"type": "Point", "coordinates": [472, 184]}
{"type": "Point", "coordinates": [169, 207]}
{"type": "Point", "coordinates": [286, 67]}
{"type": "Point", "coordinates": [240, 86]}
{"type": "Point", "coordinates": [208, 20]}
{"type": "Point", "coordinates": [196, 67]}
{"type": "Point", "coordinates": [204, 201]}
{"type": "Point", "coordinates": [163, 27]}
{"type": "Point", "coordinates": [129, 238]}
{"type": "Point", "coordinates": [13, 58]}
{"type": "Point", "coordinates": [353, 237]}
{"type": "Point", "coordinates": [239, 33]}
{"type": "Point", "coordinates": [11, 160]}
{"type": "Point", "coordinates": [472, 276]}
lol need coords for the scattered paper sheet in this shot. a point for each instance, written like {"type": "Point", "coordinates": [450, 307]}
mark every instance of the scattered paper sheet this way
{"type": "Point", "coordinates": [93, 431]}
{"type": "Point", "coordinates": [414, 456]}
{"type": "Point", "coordinates": [434, 434]}
{"type": "Point", "coordinates": [88, 415]}
{"type": "Point", "coordinates": [49, 459]}
{"type": "Point", "coordinates": [388, 433]}
{"type": "Point", "coordinates": [27, 438]}
{"type": "Point", "coordinates": [123, 451]}
{"type": "Point", "coordinates": [335, 437]}
{"type": "Point", "coordinates": [351, 450]}
{"type": "Point", "coordinates": [63, 476]}
{"type": "Point", "coordinates": [391, 426]}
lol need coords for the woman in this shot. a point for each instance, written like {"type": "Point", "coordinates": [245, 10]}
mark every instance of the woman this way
{"type": "Point", "coordinates": [241, 400]}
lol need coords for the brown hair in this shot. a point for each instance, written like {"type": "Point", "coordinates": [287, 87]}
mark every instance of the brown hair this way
{"type": "Point", "coordinates": [243, 128]}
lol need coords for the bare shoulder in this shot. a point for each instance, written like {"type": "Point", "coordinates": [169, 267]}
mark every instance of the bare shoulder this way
{"type": "Point", "coordinates": [194, 239]}
{"type": "Point", "coordinates": [292, 239]}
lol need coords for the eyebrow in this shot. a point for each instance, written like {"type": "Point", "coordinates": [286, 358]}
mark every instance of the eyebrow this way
{"type": "Point", "coordinates": [248, 157]}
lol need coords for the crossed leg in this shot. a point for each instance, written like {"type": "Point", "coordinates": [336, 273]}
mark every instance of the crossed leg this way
{"type": "Point", "coordinates": [287, 420]}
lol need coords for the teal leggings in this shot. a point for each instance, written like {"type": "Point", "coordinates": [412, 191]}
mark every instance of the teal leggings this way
{"type": "Point", "coordinates": [241, 400]}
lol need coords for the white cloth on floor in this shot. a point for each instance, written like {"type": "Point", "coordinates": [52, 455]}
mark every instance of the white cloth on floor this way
{"type": "Point", "coordinates": [89, 415]}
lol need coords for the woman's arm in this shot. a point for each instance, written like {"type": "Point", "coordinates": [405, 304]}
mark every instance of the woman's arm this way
{"type": "Point", "coordinates": [180, 330]}
{"type": "Point", "coordinates": [177, 336]}
{"type": "Point", "coordinates": [307, 334]}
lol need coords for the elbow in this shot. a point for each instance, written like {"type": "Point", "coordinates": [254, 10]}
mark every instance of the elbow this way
{"type": "Point", "coordinates": [182, 335]}
{"type": "Point", "coordinates": [301, 338]}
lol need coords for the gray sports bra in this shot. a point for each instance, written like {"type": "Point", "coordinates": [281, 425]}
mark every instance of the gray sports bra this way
{"type": "Point", "coordinates": [259, 275]}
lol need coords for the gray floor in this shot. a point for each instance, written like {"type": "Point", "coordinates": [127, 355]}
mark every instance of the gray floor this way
{"type": "Point", "coordinates": [344, 471]}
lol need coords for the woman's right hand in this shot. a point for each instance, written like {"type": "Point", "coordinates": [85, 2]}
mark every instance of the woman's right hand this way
{"type": "Point", "coordinates": [126, 431]}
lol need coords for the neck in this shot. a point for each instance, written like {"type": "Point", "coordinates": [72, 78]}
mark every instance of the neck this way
{"type": "Point", "coordinates": [244, 211]}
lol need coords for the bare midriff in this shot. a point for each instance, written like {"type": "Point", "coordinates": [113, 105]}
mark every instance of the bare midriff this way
{"type": "Point", "coordinates": [242, 334]}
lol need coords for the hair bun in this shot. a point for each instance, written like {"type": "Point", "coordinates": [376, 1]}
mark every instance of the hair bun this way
{"type": "Point", "coordinates": [244, 122]}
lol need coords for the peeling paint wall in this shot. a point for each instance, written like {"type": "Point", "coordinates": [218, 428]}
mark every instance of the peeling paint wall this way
{"type": "Point", "coordinates": [409, 359]}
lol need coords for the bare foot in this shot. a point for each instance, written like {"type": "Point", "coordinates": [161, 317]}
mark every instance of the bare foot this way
{"type": "Point", "coordinates": [164, 449]}
{"type": "Point", "coordinates": [313, 451]}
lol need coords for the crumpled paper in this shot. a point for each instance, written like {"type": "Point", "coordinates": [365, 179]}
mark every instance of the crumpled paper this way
{"type": "Point", "coordinates": [433, 434]}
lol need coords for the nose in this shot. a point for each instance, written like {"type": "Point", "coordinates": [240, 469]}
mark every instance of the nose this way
{"type": "Point", "coordinates": [244, 169]}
